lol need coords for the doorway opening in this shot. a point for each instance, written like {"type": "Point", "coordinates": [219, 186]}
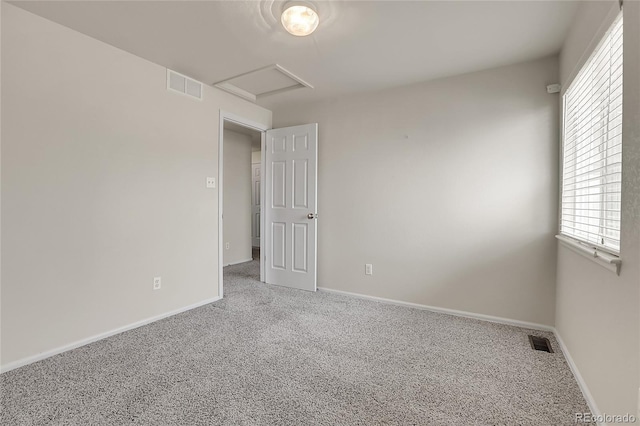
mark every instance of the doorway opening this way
{"type": "Point", "coordinates": [240, 193]}
{"type": "Point", "coordinates": [284, 210]}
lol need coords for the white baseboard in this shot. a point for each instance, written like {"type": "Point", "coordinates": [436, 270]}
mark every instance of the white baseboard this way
{"type": "Point", "coordinates": [574, 369]}
{"type": "Point", "coordinates": [237, 262]}
{"type": "Point", "coordinates": [576, 373]}
{"type": "Point", "coordinates": [535, 326]}
{"type": "Point", "coordinates": [43, 355]}
{"type": "Point", "coordinates": [500, 320]}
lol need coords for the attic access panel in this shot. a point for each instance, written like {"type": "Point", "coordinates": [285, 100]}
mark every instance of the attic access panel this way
{"type": "Point", "coordinates": [266, 81]}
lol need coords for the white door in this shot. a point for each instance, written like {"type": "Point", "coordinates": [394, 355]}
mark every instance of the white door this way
{"type": "Point", "coordinates": [255, 205]}
{"type": "Point", "coordinates": [290, 207]}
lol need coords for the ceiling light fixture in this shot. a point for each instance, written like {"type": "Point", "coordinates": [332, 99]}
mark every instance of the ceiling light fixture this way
{"type": "Point", "coordinates": [300, 18]}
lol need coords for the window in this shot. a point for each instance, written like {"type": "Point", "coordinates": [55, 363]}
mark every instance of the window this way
{"type": "Point", "coordinates": [592, 148]}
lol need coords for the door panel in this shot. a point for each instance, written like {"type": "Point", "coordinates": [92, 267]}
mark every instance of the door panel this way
{"type": "Point", "coordinates": [255, 205]}
{"type": "Point", "coordinates": [300, 142]}
{"type": "Point", "coordinates": [300, 184]}
{"type": "Point", "coordinates": [300, 231]}
{"type": "Point", "coordinates": [279, 185]}
{"type": "Point", "coordinates": [291, 206]}
{"type": "Point", "coordinates": [279, 249]}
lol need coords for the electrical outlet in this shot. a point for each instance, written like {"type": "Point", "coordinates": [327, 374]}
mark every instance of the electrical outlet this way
{"type": "Point", "coordinates": [157, 283]}
{"type": "Point", "coordinates": [226, 246]}
{"type": "Point", "coordinates": [211, 182]}
{"type": "Point", "coordinates": [368, 269]}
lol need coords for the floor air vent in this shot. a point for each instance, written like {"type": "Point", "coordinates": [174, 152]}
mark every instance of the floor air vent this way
{"type": "Point", "coordinates": [540, 343]}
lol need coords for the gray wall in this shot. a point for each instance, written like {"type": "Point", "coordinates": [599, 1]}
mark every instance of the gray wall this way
{"type": "Point", "coordinates": [597, 311]}
{"type": "Point", "coordinates": [237, 197]}
{"type": "Point", "coordinates": [449, 188]}
{"type": "Point", "coordinates": [103, 186]}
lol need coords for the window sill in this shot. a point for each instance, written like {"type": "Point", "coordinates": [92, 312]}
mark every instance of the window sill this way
{"type": "Point", "coordinates": [606, 260]}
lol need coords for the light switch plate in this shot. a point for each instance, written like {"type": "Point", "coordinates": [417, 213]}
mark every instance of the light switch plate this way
{"type": "Point", "coordinates": [211, 182]}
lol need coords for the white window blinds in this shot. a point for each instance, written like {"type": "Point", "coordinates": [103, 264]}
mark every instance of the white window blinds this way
{"type": "Point", "coordinates": [592, 149]}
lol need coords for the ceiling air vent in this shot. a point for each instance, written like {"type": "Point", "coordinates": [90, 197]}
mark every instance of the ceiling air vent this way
{"type": "Point", "coordinates": [182, 84]}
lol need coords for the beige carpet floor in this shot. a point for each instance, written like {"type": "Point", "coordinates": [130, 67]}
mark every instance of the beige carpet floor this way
{"type": "Point", "coordinates": [266, 355]}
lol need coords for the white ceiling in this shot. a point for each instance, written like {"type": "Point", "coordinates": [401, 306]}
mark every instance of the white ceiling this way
{"type": "Point", "coordinates": [358, 46]}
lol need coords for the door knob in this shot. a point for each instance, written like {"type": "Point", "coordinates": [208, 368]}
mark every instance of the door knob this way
{"type": "Point", "coordinates": [312, 216]}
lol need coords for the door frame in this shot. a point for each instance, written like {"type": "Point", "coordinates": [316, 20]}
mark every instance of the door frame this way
{"type": "Point", "coordinates": [262, 128]}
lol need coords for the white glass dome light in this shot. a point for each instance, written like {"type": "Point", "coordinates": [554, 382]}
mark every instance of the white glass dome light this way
{"type": "Point", "coordinates": [300, 18]}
